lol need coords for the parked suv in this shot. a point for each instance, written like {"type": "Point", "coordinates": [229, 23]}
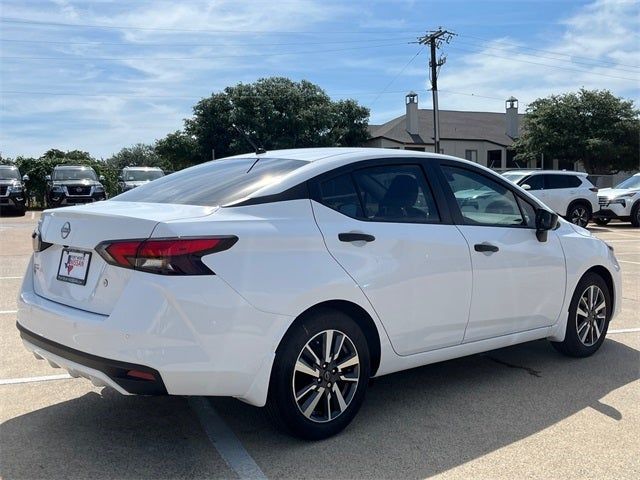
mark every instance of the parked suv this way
{"type": "Point", "coordinates": [132, 177]}
{"type": "Point", "coordinates": [73, 184]}
{"type": "Point", "coordinates": [13, 194]}
{"type": "Point", "coordinates": [570, 194]}
{"type": "Point", "coordinates": [621, 202]}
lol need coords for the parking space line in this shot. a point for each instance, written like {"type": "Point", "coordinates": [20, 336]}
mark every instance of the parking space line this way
{"type": "Point", "coordinates": [627, 261]}
{"type": "Point", "coordinates": [45, 378]}
{"type": "Point", "coordinates": [624, 330]}
{"type": "Point", "coordinates": [3, 312]}
{"type": "Point", "coordinates": [9, 278]}
{"type": "Point", "coordinates": [225, 441]}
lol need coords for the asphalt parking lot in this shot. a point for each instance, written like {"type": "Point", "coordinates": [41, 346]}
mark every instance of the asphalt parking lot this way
{"type": "Point", "coordinates": [523, 411]}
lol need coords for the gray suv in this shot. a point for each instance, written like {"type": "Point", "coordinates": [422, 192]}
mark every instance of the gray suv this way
{"type": "Point", "coordinates": [132, 177]}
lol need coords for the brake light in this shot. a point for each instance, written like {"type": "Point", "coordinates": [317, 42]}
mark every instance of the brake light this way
{"type": "Point", "coordinates": [166, 256]}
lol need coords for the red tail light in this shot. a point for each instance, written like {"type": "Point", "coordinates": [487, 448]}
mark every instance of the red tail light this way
{"type": "Point", "coordinates": [166, 256]}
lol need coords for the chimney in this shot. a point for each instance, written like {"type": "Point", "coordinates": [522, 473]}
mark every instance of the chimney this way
{"type": "Point", "coordinates": [511, 117]}
{"type": "Point", "coordinates": [412, 113]}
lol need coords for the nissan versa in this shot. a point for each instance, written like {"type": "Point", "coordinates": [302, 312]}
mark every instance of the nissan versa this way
{"type": "Point", "coordinates": [290, 278]}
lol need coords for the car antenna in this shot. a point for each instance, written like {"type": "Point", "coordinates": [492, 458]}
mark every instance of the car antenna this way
{"type": "Point", "coordinates": [256, 149]}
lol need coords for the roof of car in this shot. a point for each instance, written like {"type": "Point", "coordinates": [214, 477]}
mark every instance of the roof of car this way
{"type": "Point", "coordinates": [321, 153]}
{"type": "Point", "coordinates": [75, 167]}
{"type": "Point", "coordinates": [555, 172]}
{"type": "Point", "coordinates": [142, 168]}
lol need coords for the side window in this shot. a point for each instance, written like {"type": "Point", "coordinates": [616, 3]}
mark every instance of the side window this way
{"type": "Point", "coordinates": [561, 181]}
{"type": "Point", "coordinates": [528, 211]}
{"type": "Point", "coordinates": [396, 193]}
{"type": "Point", "coordinates": [574, 182]}
{"type": "Point", "coordinates": [535, 182]}
{"type": "Point", "coordinates": [483, 201]}
{"type": "Point", "coordinates": [339, 193]}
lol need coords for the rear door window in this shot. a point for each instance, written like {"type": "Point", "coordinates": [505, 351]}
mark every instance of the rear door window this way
{"type": "Point", "coordinates": [553, 182]}
{"type": "Point", "coordinates": [214, 183]}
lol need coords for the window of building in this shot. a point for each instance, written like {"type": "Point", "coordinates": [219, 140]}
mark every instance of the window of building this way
{"type": "Point", "coordinates": [415, 149]}
{"type": "Point", "coordinates": [494, 158]}
{"type": "Point", "coordinates": [471, 155]}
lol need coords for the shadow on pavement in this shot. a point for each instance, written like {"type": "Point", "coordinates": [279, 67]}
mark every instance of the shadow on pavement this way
{"type": "Point", "coordinates": [413, 424]}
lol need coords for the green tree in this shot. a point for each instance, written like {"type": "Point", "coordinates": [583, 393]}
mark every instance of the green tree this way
{"type": "Point", "coordinates": [138, 155]}
{"type": "Point", "coordinates": [593, 127]}
{"type": "Point", "coordinates": [178, 150]}
{"type": "Point", "coordinates": [275, 113]}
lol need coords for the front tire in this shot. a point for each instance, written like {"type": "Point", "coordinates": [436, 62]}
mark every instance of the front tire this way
{"type": "Point", "coordinates": [579, 214]}
{"type": "Point", "coordinates": [588, 321]}
{"type": "Point", "coordinates": [319, 376]}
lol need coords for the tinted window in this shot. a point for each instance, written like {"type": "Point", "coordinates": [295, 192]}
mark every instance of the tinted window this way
{"type": "Point", "coordinates": [218, 182]}
{"type": "Point", "coordinates": [534, 181]}
{"type": "Point", "coordinates": [483, 201]}
{"type": "Point", "coordinates": [340, 194]}
{"type": "Point", "coordinates": [74, 174]}
{"type": "Point", "coordinates": [9, 173]}
{"type": "Point", "coordinates": [396, 193]}
{"type": "Point", "coordinates": [141, 175]}
{"type": "Point", "coordinates": [561, 181]}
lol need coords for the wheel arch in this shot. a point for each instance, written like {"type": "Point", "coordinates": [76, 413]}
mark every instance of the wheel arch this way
{"type": "Point", "coordinates": [355, 312]}
{"type": "Point", "coordinates": [605, 274]}
{"type": "Point", "coordinates": [579, 201]}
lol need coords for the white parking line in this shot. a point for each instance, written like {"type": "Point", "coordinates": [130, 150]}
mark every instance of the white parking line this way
{"type": "Point", "coordinates": [33, 214]}
{"type": "Point", "coordinates": [225, 441]}
{"type": "Point", "coordinates": [627, 261]}
{"type": "Point", "coordinates": [9, 278]}
{"type": "Point", "coordinates": [45, 378]}
{"type": "Point", "coordinates": [2, 312]}
{"type": "Point", "coordinates": [624, 330]}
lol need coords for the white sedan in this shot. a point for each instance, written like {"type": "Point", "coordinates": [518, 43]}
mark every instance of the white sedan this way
{"type": "Point", "coordinates": [289, 278]}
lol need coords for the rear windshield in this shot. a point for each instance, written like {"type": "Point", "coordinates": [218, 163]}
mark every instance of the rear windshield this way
{"type": "Point", "coordinates": [141, 175]}
{"type": "Point", "coordinates": [9, 173]}
{"type": "Point", "coordinates": [74, 174]}
{"type": "Point", "coordinates": [218, 182]}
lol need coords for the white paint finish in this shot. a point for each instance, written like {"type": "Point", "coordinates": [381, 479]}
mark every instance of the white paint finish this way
{"type": "Point", "coordinates": [224, 440]}
{"type": "Point", "coordinates": [44, 378]}
{"type": "Point", "coordinates": [520, 287]}
{"type": "Point", "coordinates": [417, 277]}
{"type": "Point", "coordinates": [217, 335]}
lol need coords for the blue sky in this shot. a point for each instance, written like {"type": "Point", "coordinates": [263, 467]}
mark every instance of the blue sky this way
{"type": "Point", "coordinates": [99, 75]}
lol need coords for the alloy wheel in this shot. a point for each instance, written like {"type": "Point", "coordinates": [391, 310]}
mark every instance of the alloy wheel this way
{"type": "Point", "coordinates": [326, 375]}
{"type": "Point", "coordinates": [580, 216]}
{"type": "Point", "coordinates": [591, 315]}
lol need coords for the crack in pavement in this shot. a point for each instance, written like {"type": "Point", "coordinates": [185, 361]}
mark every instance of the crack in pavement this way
{"type": "Point", "coordinates": [529, 370]}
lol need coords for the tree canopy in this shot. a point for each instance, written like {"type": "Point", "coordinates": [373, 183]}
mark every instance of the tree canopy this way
{"type": "Point", "coordinates": [274, 112]}
{"type": "Point", "coordinates": [593, 127]}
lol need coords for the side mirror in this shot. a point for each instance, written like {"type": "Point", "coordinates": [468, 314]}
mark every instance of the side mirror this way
{"type": "Point", "coordinates": [47, 178]}
{"type": "Point", "coordinates": [25, 178]}
{"type": "Point", "coordinates": [120, 178]}
{"type": "Point", "coordinates": [526, 186]}
{"type": "Point", "coordinates": [545, 221]}
{"type": "Point", "coordinates": [101, 178]}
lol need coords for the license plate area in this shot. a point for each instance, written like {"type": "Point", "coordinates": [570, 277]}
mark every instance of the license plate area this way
{"type": "Point", "coordinates": [74, 266]}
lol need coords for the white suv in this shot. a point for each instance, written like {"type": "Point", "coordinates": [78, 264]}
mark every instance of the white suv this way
{"type": "Point", "coordinates": [621, 202]}
{"type": "Point", "coordinates": [570, 194]}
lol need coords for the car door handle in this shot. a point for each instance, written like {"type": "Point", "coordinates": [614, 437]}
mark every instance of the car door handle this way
{"type": "Point", "coordinates": [485, 247]}
{"type": "Point", "coordinates": [355, 237]}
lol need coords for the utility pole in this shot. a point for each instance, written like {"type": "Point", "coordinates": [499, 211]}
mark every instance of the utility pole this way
{"type": "Point", "coordinates": [434, 39]}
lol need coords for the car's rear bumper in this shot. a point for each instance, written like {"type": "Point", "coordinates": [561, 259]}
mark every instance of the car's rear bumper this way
{"type": "Point", "coordinates": [126, 378]}
{"type": "Point", "coordinates": [197, 335]}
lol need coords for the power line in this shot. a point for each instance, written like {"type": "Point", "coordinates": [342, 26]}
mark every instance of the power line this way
{"type": "Point", "coordinates": [396, 77]}
{"type": "Point", "coordinates": [200, 57]}
{"type": "Point", "coordinates": [480, 52]}
{"type": "Point", "coordinates": [593, 63]}
{"type": "Point", "coordinates": [173, 44]}
{"type": "Point", "coordinates": [593, 59]}
{"type": "Point", "coordinates": [23, 21]}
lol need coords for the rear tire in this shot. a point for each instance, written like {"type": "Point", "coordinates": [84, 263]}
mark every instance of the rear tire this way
{"type": "Point", "coordinates": [579, 214]}
{"type": "Point", "coordinates": [635, 215]}
{"type": "Point", "coordinates": [315, 393]}
{"type": "Point", "coordinates": [602, 221]}
{"type": "Point", "coordinates": [588, 321]}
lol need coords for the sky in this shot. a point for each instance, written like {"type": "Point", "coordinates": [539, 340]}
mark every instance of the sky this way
{"type": "Point", "coordinates": [100, 75]}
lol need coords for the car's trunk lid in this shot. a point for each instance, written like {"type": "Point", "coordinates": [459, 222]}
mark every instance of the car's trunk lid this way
{"type": "Point", "coordinates": [80, 229]}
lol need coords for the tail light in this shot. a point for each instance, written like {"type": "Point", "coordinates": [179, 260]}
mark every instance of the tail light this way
{"type": "Point", "coordinates": [594, 189]}
{"type": "Point", "coordinates": [166, 256]}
